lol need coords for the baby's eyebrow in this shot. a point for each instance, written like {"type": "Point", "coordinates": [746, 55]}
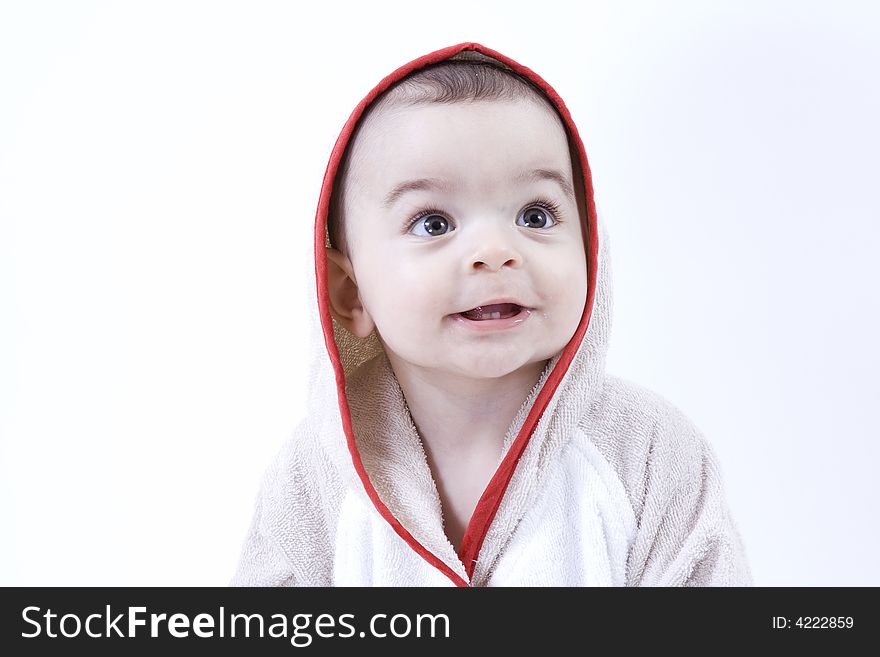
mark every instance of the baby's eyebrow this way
{"type": "Point", "coordinates": [548, 174]}
{"type": "Point", "coordinates": [414, 185]}
{"type": "Point", "coordinates": [534, 175]}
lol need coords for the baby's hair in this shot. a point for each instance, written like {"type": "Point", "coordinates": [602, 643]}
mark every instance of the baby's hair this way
{"type": "Point", "coordinates": [468, 76]}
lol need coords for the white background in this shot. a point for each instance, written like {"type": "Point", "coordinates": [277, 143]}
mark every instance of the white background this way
{"type": "Point", "coordinates": [160, 165]}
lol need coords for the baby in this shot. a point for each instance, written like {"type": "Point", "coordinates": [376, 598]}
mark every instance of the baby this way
{"type": "Point", "coordinates": [462, 429]}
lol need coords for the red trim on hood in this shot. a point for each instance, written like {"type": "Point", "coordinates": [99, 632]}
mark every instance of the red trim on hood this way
{"type": "Point", "coordinates": [489, 502]}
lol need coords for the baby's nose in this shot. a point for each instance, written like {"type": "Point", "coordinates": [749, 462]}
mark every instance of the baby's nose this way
{"type": "Point", "coordinates": [493, 254]}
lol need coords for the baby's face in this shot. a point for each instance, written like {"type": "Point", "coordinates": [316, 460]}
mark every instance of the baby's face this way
{"type": "Point", "coordinates": [483, 232]}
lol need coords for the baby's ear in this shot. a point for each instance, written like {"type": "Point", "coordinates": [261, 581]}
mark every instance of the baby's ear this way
{"type": "Point", "coordinates": [345, 302]}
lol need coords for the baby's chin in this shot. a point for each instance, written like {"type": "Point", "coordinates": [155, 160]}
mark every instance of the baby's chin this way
{"type": "Point", "coordinates": [490, 367]}
{"type": "Point", "coordinates": [484, 362]}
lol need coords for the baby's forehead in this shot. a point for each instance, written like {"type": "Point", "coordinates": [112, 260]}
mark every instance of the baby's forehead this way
{"type": "Point", "coordinates": [496, 135]}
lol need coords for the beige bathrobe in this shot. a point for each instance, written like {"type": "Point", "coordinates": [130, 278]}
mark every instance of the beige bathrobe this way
{"type": "Point", "coordinates": [602, 482]}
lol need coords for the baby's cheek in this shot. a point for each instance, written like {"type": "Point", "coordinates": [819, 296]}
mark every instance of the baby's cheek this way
{"type": "Point", "coordinates": [573, 270]}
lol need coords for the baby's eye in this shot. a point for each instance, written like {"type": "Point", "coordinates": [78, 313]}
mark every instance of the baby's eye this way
{"type": "Point", "coordinates": [536, 216]}
{"type": "Point", "coordinates": [431, 225]}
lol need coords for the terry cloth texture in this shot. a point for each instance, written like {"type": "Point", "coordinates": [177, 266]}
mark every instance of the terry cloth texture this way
{"type": "Point", "coordinates": [602, 482]}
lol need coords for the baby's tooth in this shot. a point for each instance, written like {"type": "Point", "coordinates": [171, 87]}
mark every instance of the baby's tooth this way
{"type": "Point", "coordinates": [495, 315]}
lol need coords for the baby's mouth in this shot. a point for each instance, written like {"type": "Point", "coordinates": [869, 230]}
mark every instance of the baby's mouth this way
{"type": "Point", "coordinates": [494, 311]}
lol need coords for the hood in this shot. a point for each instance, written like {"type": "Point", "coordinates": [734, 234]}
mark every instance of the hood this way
{"type": "Point", "coordinates": [364, 451]}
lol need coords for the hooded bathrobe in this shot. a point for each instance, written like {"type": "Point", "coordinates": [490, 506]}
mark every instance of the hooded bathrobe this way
{"type": "Point", "coordinates": [601, 482]}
